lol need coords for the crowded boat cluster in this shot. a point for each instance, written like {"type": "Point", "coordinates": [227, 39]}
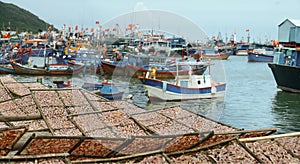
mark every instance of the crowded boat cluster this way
{"type": "Point", "coordinates": [153, 56]}
{"type": "Point", "coordinates": [147, 56]}
{"type": "Point", "coordinates": [171, 67]}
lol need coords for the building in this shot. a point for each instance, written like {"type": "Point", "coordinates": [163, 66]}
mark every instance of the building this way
{"type": "Point", "coordinates": [289, 31]}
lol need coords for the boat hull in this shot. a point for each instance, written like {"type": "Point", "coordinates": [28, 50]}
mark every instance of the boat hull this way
{"type": "Point", "coordinates": [157, 89]}
{"type": "Point", "coordinates": [241, 52]}
{"type": "Point", "coordinates": [134, 71]}
{"type": "Point", "coordinates": [216, 57]}
{"type": "Point", "coordinates": [6, 69]}
{"type": "Point", "coordinates": [106, 90]}
{"type": "Point", "coordinates": [21, 69]}
{"type": "Point", "coordinates": [113, 69]}
{"type": "Point", "coordinates": [253, 57]}
{"type": "Point", "coordinates": [112, 96]}
{"type": "Point", "coordinates": [287, 77]}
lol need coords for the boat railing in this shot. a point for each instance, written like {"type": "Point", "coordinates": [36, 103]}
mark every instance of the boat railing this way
{"type": "Point", "coordinates": [287, 56]}
{"type": "Point", "coordinates": [190, 64]}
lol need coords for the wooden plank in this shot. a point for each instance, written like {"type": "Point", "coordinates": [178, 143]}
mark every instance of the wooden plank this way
{"type": "Point", "coordinates": [247, 131]}
{"type": "Point", "coordinates": [249, 151]}
{"type": "Point", "coordinates": [145, 129]}
{"type": "Point", "coordinates": [25, 144]}
{"type": "Point", "coordinates": [115, 159]}
{"type": "Point", "coordinates": [52, 89]}
{"type": "Point", "coordinates": [87, 113]}
{"type": "Point", "coordinates": [295, 134]}
{"type": "Point", "coordinates": [33, 157]}
{"type": "Point", "coordinates": [20, 117]}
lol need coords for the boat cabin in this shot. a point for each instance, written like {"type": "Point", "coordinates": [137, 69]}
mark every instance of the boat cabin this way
{"type": "Point", "coordinates": [287, 56]}
{"type": "Point", "coordinates": [195, 81]}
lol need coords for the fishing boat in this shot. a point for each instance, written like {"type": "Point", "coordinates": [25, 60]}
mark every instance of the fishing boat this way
{"type": "Point", "coordinates": [163, 71]}
{"type": "Point", "coordinates": [185, 87]}
{"type": "Point", "coordinates": [286, 69]}
{"type": "Point", "coordinates": [261, 55]}
{"type": "Point", "coordinates": [211, 54]}
{"type": "Point", "coordinates": [62, 84]}
{"type": "Point", "coordinates": [286, 62]}
{"type": "Point", "coordinates": [6, 69]}
{"type": "Point", "coordinates": [105, 89]}
{"type": "Point", "coordinates": [164, 67]}
{"type": "Point", "coordinates": [113, 67]}
{"type": "Point", "coordinates": [48, 69]}
{"type": "Point", "coordinates": [243, 49]}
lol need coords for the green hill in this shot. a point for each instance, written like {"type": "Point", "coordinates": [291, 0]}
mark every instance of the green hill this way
{"type": "Point", "coordinates": [19, 19]}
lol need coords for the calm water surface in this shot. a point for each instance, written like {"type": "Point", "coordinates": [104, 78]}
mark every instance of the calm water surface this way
{"type": "Point", "coordinates": [252, 100]}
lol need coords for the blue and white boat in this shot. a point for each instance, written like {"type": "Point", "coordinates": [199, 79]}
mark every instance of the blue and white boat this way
{"type": "Point", "coordinates": [261, 55]}
{"type": "Point", "coordinates": [185, 87]}
{"type": "Point", "coordinates": [105, 89]}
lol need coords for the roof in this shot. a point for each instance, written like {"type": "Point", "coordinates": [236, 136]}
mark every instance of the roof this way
{"type": "Point", "coordinates": [40, 124]}
{"type": "Point", "coordinates": [295, 22]}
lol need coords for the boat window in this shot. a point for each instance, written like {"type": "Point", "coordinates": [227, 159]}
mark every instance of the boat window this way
{"type": "Point", "coordinates": [199, 82]}
{"type": "Point", "coordinates": [184, 83]}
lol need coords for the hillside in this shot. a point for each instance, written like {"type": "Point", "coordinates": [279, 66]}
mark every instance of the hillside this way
{"type": "Point", "coordinates": [19, 19]}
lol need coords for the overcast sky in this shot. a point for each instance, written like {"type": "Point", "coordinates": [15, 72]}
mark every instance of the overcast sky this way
{"type": "Point", "coordinates": [261, 17]}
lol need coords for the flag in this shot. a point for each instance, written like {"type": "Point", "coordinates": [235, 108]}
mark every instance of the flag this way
{"type": "Point", "coordinates": [247, 30]}
{"type": "Point", "coordinates": [76, 28]}
{"type": "Point", "coordinates": [97, 22]}
{"type": "Point", "coordinates": [114, 29]}
{"type": "Point", "coordinates": [107, 30]}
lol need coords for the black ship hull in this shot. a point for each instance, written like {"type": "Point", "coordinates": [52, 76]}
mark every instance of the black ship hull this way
{"type": "Point", "coordinates": [287, 77]}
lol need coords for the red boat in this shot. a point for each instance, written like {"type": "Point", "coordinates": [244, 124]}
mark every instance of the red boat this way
{"type": "Point", "coordinates": [162, 72]}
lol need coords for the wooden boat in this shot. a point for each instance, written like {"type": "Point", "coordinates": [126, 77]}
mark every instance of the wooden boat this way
{"type": "Point", "coordinates": [104, 89]}
{"type": "Point", "coordinates": [6, 69]}
{"type": "Point", "coordinates": [163, 72]}
{"type": "Point", "coordinates": [113, 68]}
{"type": "Point", "coordinates": [187, 87]}
{"type": "Point", "coordinates": [61, 84]}
{"type": "Point", "coordinates": [261, 55]}
{"type": "Point", "coordinates": [211, 54]}
{"type": "Point", "coordinates": [286, 69]}
{"type": "Point", "coordinates": [50, 69]}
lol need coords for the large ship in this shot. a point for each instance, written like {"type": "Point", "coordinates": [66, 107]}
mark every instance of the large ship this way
{"type": "Point", "coordinates": [286, 69]}
{"type": "Point", "coordinates": [286, 63]}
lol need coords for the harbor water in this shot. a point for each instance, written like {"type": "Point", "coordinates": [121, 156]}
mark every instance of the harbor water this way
{"type": "Point", "coordinates": [252, 100]}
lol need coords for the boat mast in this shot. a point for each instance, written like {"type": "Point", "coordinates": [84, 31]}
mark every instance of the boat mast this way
{"type": "Point", "coordinates": [176, 69]}
{"type": "Point", "coordinates": [45, 57]}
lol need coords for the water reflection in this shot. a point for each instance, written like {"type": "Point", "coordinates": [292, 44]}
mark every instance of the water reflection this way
{"type": "Point", "coordinates": [286, 110]}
